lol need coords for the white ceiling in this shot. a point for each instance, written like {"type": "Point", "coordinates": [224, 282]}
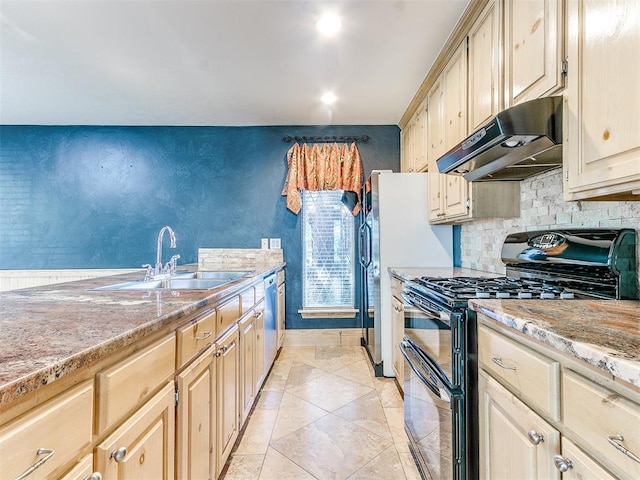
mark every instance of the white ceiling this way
{"type": "Point", "coordinates": [215, 62]}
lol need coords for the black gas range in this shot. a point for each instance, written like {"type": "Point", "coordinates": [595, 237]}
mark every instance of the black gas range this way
{"type": "Point", "coordinates": [440, 341]}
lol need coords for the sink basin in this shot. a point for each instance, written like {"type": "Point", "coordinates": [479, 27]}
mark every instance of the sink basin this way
{"type": "Point", "coordinates": [184, 281]}
{"type": "Point", "coordinates": [178, 283]}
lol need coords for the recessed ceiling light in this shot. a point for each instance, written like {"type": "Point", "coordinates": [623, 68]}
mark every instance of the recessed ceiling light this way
{"type": "Point", "coordinates": [328, 98]}
{"type": "Point", "coordinates": [329, 24]}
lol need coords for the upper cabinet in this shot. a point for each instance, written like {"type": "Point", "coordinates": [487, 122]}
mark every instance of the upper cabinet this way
{"type": "Point", "coordinates": [533, 49]}
{"type": "Point", "coordinates": [414, 142]}
{"type": "Point", "coordinates": [485, 86]}
{"type": "Point", "coordinates": [602, 101]}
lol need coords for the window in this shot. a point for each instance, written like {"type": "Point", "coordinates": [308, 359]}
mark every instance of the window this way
{"type": "Point", "coordinates": [328, 236]}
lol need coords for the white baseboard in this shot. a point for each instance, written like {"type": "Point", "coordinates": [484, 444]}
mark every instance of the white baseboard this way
{"type": "Point", "coordinates": [323, 337]}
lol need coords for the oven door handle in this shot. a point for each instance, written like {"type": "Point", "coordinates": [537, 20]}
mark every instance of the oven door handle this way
{"type": "Point", "coordinates": [432, 386]}
{"type": "Point", "coordinates": [435, 313]}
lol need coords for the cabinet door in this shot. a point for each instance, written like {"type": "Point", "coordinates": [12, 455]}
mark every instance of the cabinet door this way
{"type": "Point", "coordinates": [228, 394]}
{"type": "Point", "coordinates": [248, 365]}
{"type": "Point", "coordinates": [419, 135]}
{"type": "Point", "coordinates": [143, 446]}
{"type": "Point", "coordinates": [533, 49]}
{"type": "Point", "coordinates": [484, 88]}
{"type": "Point", "coordinates": [397, 319]}
{"type": "Point", "coordinates": [514, 441]}
{"type": "Point", "coordinates": [455, 129]}
{"type": "Point", "coordinates": [195, 422]}
{"type": "Point", "coordinates": [435, 119]}
{"type": "Point", "coordinates": [280, 314]}
{"type": "Point", "coordinates": [602, 100]}
{"type": "Point", "coordinates": [83, 470]}
{"type": "Point", "coordinates": [582, 467]}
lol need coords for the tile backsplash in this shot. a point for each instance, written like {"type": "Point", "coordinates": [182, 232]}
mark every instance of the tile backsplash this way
{"type": "Point", "coordinates": [541, 207]}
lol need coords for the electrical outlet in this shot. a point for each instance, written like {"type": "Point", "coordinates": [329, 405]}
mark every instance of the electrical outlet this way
{"type": "Point", "coordinates": [265, 243]}
{"type": "Point", "coordinates": [274, 243]}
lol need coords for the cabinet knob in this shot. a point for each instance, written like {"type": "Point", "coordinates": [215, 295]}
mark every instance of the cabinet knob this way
{"type": "Point", "coordinates": [119, 454]}
{"type": "Point", "coordinates": [94, 476]}
{"type": "Point", "coordinates": [561, 463]}
{"type": "Point", "coordinates": [535, 437]}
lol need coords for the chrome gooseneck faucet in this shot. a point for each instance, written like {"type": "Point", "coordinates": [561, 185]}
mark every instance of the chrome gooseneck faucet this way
{"type": "Point", "coordinates": [172, 236]}
{"type": "Point", "coordinates": [170, 267]}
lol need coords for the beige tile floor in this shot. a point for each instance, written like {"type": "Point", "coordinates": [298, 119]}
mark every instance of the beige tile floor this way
{"type": "Point", "coordinates": [323, 415]}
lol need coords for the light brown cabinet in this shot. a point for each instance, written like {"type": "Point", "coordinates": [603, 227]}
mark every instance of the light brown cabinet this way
{"type": "Point", "coordinates": [533, 49]}
{"type": "Point", "coordinates": [485, 79]}
{"type": "Point", "coordinates": [48, 437]}
{"type": "Point", "coordinates": [414, 142]}
{"type": "Point", "coordinates": [83, 470]}
{"type": "Point", "coordinates": [195, 419]}
{"type": "Point", "coordinates": [543, 414]}
{"type": "Point", "coordinates": [601, 122]}
{"type": "Point", "coordinates": [514, 442]}
{"type": "Point", "coordinates": [144, 445]}
{"type": "Point", "coordinates": [397, 329]}
{"type": "Point", "coordinates": [228, 394]}
{"type": "Point", "coordinates": [248, 341]}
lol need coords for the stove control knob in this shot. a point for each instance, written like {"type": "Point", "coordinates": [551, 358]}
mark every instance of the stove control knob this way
{"type": "Point", "coordinates": [502, 295]}
{"type": "Point", "coordinates": [483, 295]}
{"type": "Point", "coordinates": [547, 295]}
{"type": "Point", "coordinates": [525, 295]}
{"type": "Point", "coordinates": [567, 295]}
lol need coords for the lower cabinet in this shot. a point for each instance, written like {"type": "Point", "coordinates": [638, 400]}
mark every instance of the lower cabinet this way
{"type": "Point", "coordinates": [545, 415]}
{"type": "Point", "coordinates": [280, 314]}
{"type": "Point", "coordinates": [44, 440]}
{"type": "Point", "coordinates": [248, 364]}
{"type": "Point", "coordinates": [397, 328]}
{"type": "Point", "coordinates": [514, 441]}
{"type": "Point", "coordinates": [228, 394]}
{"type": "Point", "coordinates": [195, 419]}
{"type": "Point", "coordinates": [144, 445]}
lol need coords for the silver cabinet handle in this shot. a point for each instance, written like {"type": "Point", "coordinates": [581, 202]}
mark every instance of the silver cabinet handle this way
{"type": "Point", "coordinates": [498, 361]}
{"type": "Point", "coordinates": [94, 476]}
{"type": "Point", "coordinates": [119, 454]}
{"type": "Point", "coordinates": [204, 336]}
{"type": "Point", "coordinates": [47, 452]}
{"type": "Point", "coordinates": [535, 437]}
{"type": "Point", "coordinates": [614, 439]}
{"type": "Point", "coordinates": [561, 463]}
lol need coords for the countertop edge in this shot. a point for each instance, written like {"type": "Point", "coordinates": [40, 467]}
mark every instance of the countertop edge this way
{"type": "Point", "coordinates": [610, 362]}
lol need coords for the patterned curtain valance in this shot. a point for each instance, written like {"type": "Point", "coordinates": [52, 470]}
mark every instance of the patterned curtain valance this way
{"type": "Point", "coordinates": [326, 166]}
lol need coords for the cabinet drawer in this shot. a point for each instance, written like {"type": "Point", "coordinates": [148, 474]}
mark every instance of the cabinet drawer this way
{"type": "Point", "coordinates": [526, 372]}
{"type": "Point", "coordinates": [62, 425]}
{"type": "Point", "coordinates": [199, 332]}
{"type": "Point", "coordinates": [582, 466]}
{"type": "Point", "coordinates": [82, 470]}
{"type": "Point", "coordinates": [128, 383]}
{"type": "Point", "coordinates": [597, 416]}
{"type": "Point", "coordinates": [228, 313]}
{"type": "Point", "coordinates": [247, 300]}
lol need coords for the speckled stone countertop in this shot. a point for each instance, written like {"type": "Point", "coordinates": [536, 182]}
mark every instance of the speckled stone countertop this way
{"type": "Point", "coordinates": [603, 333]}
{"type": "Point", "coordinates": [51, 331]}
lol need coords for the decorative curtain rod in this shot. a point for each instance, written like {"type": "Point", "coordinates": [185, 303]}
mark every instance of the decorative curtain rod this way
{"type": "Point", "coordinates": [327, 139]}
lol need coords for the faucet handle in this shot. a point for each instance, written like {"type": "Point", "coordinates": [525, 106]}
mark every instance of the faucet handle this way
{"type": "Point", "coordinates": [171, 264]}
{"type": "Point", "coordinates": [149, 274]}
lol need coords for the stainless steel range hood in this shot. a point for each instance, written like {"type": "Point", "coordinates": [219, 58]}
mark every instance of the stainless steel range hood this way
{"type": "Point", "coordinates": [515, 144]}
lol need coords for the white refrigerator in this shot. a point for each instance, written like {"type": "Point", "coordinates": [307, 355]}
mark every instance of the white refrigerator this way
{"type": "Point", "coordinates": [394, 232]}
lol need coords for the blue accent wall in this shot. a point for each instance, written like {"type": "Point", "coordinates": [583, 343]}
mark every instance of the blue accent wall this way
{"type": "Point", "coordinates": [96, 196]}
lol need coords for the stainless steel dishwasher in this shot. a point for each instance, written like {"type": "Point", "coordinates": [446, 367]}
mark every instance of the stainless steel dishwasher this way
{"type": "Point", "coordinates": [270, 327]}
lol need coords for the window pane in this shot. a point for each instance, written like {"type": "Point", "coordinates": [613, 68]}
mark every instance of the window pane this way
{"type": "Point", "coordinates": [328, 238]}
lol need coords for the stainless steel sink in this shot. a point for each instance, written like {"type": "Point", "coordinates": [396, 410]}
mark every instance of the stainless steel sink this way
{"type": "Point", "coordinates": [184, 281]}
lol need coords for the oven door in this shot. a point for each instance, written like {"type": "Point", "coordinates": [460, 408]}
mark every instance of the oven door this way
{"type": "Point", "coordinates": [439, 333]}
{"type": "Point", "coordinates": [433, 415]}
